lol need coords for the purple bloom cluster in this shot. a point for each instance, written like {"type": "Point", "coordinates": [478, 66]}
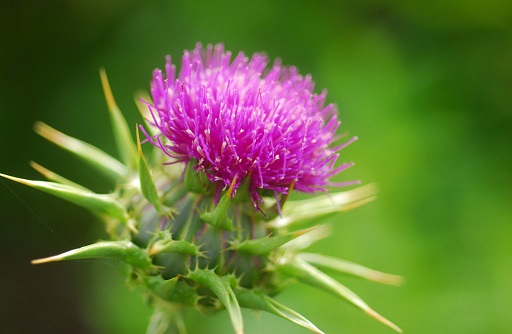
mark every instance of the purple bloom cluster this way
{"type": "Point", "coordinates": [240, 120]}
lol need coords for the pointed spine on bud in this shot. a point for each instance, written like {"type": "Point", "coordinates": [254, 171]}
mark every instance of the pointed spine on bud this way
{"type": "Point", "coordinates": [219, 216]}
{"type": "Point", "coordinates": [90, 154]}
{"type": "Point", "coordinates": [304, 211]}
{"type": "Point", "coordinates": [351, 268]}
{"type": "Point", "coordinates": [261, 302]}
{"type": "Point", "coordinates": [97, 203]}
{"type": "Point", "coordinates": [54, 177]}
{"type": "Point", "coordinates": [306, 273]}
{"type": "Point", "coordinates": [167, 245]}
{"type": "Point", "coordinates": [264, 246]}
{"type": "Point", "coordinates": [147, 184]}
{"type": "Point", "coordinates": [124, 141]}
{"type": "Point", "coordinates": [124, 251]}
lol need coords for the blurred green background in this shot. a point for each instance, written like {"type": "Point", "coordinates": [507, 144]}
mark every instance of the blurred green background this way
{"type": "Point", "coordinates": [425, 85]}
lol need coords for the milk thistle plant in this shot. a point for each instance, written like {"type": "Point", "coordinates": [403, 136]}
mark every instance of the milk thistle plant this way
{"type": "Point", "coordinates": [205, 221]}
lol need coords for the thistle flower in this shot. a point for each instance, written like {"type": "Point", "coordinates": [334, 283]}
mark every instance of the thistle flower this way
{"type": "Point", "coordinates": [203, 225]}
{"type": "Point", "coordinates": [236, 121]}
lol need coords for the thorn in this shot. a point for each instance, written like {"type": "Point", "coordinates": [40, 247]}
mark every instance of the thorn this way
{"type": "Point", "coordinates": [302, 232]}
{"type": "Point", "coordinates": [17, 179]}
{"type": "Point", "coordinates": [106, 89]}
{"type": "Point", "coordinates": [46, 260]}
{"type": "Point", "coordinates": [139, 148]}
{"type": "Point", "coordinates": [231, 186]}
{"type": "Point", "coordinates": [358, 203]}
{"type": "Point", "coordinates": [285, 196]}
{"type": "Point", "coordinates": [383, 320]}
{"type": "Point", "coordinates": [42, 170]}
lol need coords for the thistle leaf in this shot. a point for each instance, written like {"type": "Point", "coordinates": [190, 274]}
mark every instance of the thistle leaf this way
{"type": "Point", "coordinates": [264, 246]}
{"type": "Point", "coordinates": [259, 301]}
{"type": "Point", "coordinates": [146, 180]}
{"type": "Point", "coordinates": [55, 177]}
{"type": "Point", "coordinates": [92, 155]}
{"type": "Point", "coordinates": [124, 251]}
{"type": "Point", "coordinates": [124, 141]}
{"type": "Point", "coordinates": [223, 291]}
{"type": "Point", "coordinates": [98, 203]}
{"type": "Point", "coordinates": [308, 274]}
{"type": "Point", "coordinates": [351, 268]}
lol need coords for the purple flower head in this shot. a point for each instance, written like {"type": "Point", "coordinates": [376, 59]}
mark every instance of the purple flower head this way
{"type": "Point", "coordinates": [242, 121]}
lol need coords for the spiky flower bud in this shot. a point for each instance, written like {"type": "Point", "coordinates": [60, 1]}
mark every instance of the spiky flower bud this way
{"type": "Point", "coordinates": [203, 223]}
